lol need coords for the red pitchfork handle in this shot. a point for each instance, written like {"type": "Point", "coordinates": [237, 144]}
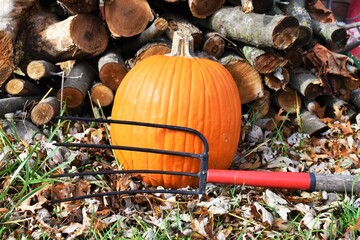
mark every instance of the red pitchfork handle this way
{"type": "Point", "coordinates": [286, 180]}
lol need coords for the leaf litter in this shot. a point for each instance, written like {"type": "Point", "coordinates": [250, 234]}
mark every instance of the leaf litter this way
{"type": "Point", "coordinates": [225, 212]}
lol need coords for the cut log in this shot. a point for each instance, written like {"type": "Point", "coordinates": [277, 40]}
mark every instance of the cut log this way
{"type": "Point", "coordinates": [101, 95]}
{"type": "Point", "coordinates": [314, 107]}
{"type": "Point", "coordinates": [154, 31]}
{"type": "Point", "coordinates": [179, 23]}
{"type": "Point", "coordinates": [296, 8]}
{"type": "Point", "coordinates": [12, 16]}
{"type": "Point", "coordinates": [47, 38]}
{"type": "Point", "coordinates": [288, 100]}
{"type": "Point", "coordinates": [112, 69]}
{"type": "Point", "coordinates": [80, 6]}
{"type": "Point", "coordinates": [311, 124]}
{"type": "Point", "coordinates": [153, 48]}
{"type": "Point", "coordinates": [256, 29]}
{"type": "Point", "coordinates": [355, 98]}
{"type": "Point", "coordinates": [45, 110]}
{"type": "Point", "coordinates": [77, 84]}
{"type": "Point", "coordinates": [329, 31]}
{"type": "Point", "coordinates": [263, 61]}
{"type": "Point", "coordinates": [13, 104]}
{"type": "Point", "coordinates": [39, 69]}
{"type": "Point", "coordinates": [214, 44]}
{"type": "Point", "coordinates": [261, 107]}
{"type": "Point", "coordinates": [204, 8]}
{"type": "Point", "coordinates": [22, 87]}
{"type": "Point", "coordinates": [248, 80]}
{"type": "Point", "coordinates": [127, 18]}
{"type": "Point", "coordinates": [306, 83]}
{"type": "Point", "coordinates": [337, 108]}
{"type": "Point", "coordinates": [278, 79]}
{"type": "Point", "coordinates": [295, 57]}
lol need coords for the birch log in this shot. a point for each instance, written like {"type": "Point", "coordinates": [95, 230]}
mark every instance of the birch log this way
{"type": "Point", "coordinates": [47, 38]}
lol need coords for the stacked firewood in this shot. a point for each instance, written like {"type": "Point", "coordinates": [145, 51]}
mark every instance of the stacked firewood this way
{"type": "Point", "coordinates": [287, 55]}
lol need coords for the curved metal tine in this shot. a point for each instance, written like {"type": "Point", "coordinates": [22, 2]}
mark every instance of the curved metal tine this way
{"type": "Point", "coordinates": [128, 192]}
{"type": "Point", "coordinates": [202, 157]}
{"type": "Point", "coordinates": [79, 174]}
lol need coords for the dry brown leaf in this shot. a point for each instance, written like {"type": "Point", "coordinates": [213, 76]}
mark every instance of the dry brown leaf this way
{"type": "Point", "coordinates": [247, 6]}
{"type": "Point", "coordinates": [319, 12]}
{"type": "Point", "coordinates": [40, 200]}
{"type": "Point", "coordinates": [260, 212]}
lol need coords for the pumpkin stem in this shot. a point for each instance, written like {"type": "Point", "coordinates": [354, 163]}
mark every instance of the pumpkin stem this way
{"type": "Point", "coordinates": [182, 45]}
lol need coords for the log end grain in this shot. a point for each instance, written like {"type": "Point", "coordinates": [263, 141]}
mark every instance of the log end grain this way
{"type": "Point", "coordinates": [89, 34]}
{"type": "Point", "coordinates": [127, 18]}
{"type": "Point", "coordinates": [247, 79]}
{"type": "Point", "coordinates": [286, 32]}
{"type": "Point", "coordinates": [15, 86]}
{"type": "Point", "coordinates": [214, 45]}
{"type": "Point", "coordinates": [43, 112]}
{"type": "Point", "coordinates": [101, 95]}
{"type": "Point", "coordinates": [73, 97]}
{"type": "Point", "coordinates": [111, 74]}
{"type": "Point", "coordinates": [277, 80]}
{"type": "Point", "coordinates": [204, 8]}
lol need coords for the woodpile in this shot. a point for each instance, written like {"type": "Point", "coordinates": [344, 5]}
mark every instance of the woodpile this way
{"type": "Point", "coordinates": [287, 55]}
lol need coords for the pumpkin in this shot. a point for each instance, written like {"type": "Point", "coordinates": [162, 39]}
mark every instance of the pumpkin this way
{"type": "Point", "coordinates": [176, 89]}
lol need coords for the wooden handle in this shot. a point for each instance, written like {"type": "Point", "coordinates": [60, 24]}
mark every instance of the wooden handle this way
{"type": "Point", "coordinates": [337, 183]}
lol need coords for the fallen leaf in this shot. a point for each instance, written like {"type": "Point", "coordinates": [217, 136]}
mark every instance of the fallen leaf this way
{"type": "Point", "coordinates": [260, 212]}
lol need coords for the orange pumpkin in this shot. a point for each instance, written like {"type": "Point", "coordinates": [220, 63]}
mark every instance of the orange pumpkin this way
{"type": "Point", "coordinates": [177, 90]}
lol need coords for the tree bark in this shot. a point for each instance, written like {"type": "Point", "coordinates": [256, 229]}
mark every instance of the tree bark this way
{"type": "Point", "coordinates": [337, 108]}
{"type": "Point", "coordinates": [11, 17]}
{"type": "Point", "coordinates": [80, 6]}
{"type": "Point", "coordinates": [127, 18]}
{"type": "Point", "coordinates": [22, 87]}
{"type": "Point", "coordinates": [306, 83]}
{"type": "Point", "coordinates": [77, 84]}
{"type": "Point", "coordinates": [13, 104]}
{"type": "Point", "coordinates": [214, 44]}
{"type": "Point", "coordinates": [248, 80]}
{"type": "Point", "coordinates": [311, 124]}
{"type": "Point", "coordinates": [355, 98]}
{"type": "Point", "coordinates": [39, 69]}
{"type": "Point", "coordinates": [256, 29]}
{"type": "Point", "coordinates": [112, 69]}
{"type": "Point", "coordinates": [179, 23]}
{"type": "Point", "coordinates": [264, 62]}
{"type": "Point", "coordinates": [52, 40]}
{"type": "Point", "coordinates": [278, 79]}
{"type": "Point", "coordinates": [204, 8]}
{"type": "Point", "coordinates": [101, 95]}
{"type": "Point", "coordinates": [45, 110]}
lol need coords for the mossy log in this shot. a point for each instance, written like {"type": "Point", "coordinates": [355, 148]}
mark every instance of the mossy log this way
{"type": "Point", "coordinates": [296, 8]}
{"type": "Point", "coordinates": [263, 61]}
{"type": "Point", "coordinates": [260, 30]}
